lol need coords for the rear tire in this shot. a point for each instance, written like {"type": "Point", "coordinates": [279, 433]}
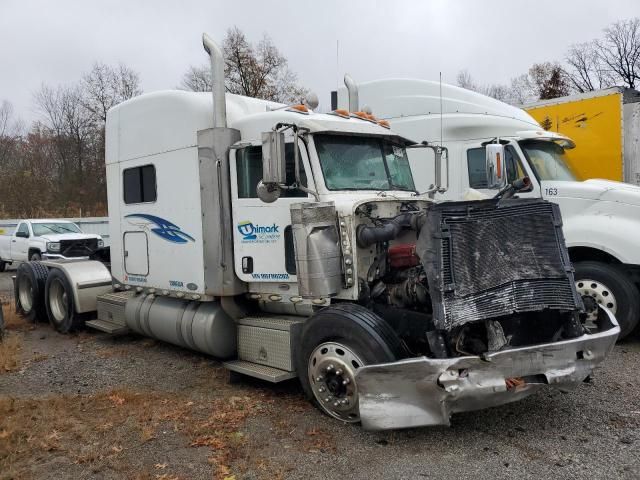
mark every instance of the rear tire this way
{"type": "Point", "coordinates": [60, 305]}
{"type": "Point", "coordinates": [3, 266]}
{"type": "Point", "coordinates": [608, 285]}
{"type": "Point", "coordinates": [337, 341]}
{"type": "Point", "coordinates": [29, 291]}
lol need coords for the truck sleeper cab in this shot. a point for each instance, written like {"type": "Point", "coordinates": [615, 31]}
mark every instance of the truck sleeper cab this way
{"type": "Point", "coordinates": [294, 244]}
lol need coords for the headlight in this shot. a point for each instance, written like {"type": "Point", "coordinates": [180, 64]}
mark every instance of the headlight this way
{"type": "Point", "coordinates": [100, 243]}
{"type": "Point", "coordinates": [53, 246]}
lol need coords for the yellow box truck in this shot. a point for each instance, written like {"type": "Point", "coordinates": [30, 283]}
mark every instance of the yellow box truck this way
{"type": "Point", "coordinates": [605, 125]}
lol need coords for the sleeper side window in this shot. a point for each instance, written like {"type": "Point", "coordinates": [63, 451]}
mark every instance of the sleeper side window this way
{"type": "Point", "coordinates": [139, 184]}
{"type": "Point", "coordinates": [249, 171]}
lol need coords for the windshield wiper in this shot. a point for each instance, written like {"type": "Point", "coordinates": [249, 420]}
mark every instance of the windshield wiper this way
{"type": "Point", "coordinates": [393, 186]}
{"type": "Point", "coordinates": [66, 229]}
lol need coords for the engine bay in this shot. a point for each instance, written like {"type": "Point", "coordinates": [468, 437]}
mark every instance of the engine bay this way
{"type": "Point", "coordinates": [468, 278]}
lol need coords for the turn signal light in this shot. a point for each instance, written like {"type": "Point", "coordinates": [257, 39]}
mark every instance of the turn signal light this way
{"type": "Point", "coordinates": [299, 108]}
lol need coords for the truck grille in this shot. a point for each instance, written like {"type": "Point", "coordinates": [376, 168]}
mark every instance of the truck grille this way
{"type": "Point", "coordinates": [487, 259]}
{"type": "Point", "coordinates": [78, 248]}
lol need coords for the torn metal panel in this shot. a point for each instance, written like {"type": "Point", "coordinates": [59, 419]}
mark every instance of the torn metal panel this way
{"type": "Point", "coordinates": [426, 391]}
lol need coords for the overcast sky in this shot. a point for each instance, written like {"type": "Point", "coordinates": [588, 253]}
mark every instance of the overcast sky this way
{"type": "Point", "coordinates": [55, 41]}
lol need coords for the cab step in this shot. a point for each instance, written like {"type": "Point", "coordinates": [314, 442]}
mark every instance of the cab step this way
{"type": "Point", "coordinates": [263, 372]}
{"type": "Point", "coordinates": [111, 313]}
{"type": "Point", "coordinates": [107, 327]}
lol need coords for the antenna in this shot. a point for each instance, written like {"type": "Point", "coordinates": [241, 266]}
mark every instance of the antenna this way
{"type": "Point", "coordinates": [337, 64]}
{"type": "Point", "coordinates": [441, 109]}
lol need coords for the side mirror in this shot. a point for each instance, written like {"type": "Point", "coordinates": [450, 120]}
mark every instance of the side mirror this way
{"type": "Point", "coordinates": [274, 172]}
{"type": "Point", "coordinates": [273, 159]}
{"type": "Point", "coordinates": [22, 234]}
{"type": "Point", "coordinates": [496, 166]}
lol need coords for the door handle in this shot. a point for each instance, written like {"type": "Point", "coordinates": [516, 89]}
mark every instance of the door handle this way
{"type": "Point", "coordinates": [13, 241]}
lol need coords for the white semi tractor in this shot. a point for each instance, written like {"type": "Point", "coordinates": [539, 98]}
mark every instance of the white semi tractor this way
{"type": "Point", "coordinates": [601, 217]}
{"type": "Point", "coordinates": [294, 244]}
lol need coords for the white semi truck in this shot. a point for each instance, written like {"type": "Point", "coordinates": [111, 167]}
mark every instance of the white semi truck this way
{"type": "Point", "coordinates": [294, 244]}
{"type": "Point", "coordinates": [601, 217]}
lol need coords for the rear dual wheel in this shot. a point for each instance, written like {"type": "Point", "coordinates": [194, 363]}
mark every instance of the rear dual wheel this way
{"type": "Point", "coordinates": [60, 304]}
{"type": "Point", "coordinates": [29, 291]}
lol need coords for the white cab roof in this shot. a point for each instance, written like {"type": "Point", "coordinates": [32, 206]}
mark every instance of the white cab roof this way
{"type": "Point", "coordinates": [170, 120]}
{"type": "Point", "coordinates": [409, 102]}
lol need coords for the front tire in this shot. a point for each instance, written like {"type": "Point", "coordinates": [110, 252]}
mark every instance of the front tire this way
{"type": "Point", "coordinates": [337, 341]}
{"type": "Point", "coordinates": [3, 266]}
{"type": "Point", "coordinates": [60, 306]}
{"type": "Point", "coordinates": [35, 257]}
{"type": "Point", "coordinates": [29, 289]}
{"type": "Point", "coordinates": [608, 285]}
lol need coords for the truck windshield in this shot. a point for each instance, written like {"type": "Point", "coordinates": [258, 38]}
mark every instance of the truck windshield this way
{"type": "Point", "coordinates": [547, 159]}
{"type": "Point", "coordinates": [363, 163]}
{"type": "Point", "coordinates": [40, 229]}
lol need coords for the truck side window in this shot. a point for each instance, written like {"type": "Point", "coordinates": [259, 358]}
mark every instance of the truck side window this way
{"type": "Point", "coordinates": [140, 184]}
{"type": "Point", "coordinates": [249, 171]}
{"type": "Point", "coordinates": [477, 167]}
{"type": "Point", "coordinates": [23, 230]}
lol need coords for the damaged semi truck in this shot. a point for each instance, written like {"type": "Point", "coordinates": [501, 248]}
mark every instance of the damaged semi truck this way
{"type": "Point", "coordinates": [292, 244]}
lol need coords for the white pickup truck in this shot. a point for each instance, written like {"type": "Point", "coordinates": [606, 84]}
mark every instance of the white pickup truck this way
{"type": "Point", "coordinates": [38, 239]}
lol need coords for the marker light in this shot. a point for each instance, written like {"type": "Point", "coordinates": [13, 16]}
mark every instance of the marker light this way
{"type": "Point", "coordinates": [340, 112]}
{"type": "Point", "coordinates": [299, 108]}
{"type": "Point", "coordinates": [384, 123]}
{"type": "Point", "coordinates": [499, 165]}
{"type": "Point", "coordinates": [362, 116]}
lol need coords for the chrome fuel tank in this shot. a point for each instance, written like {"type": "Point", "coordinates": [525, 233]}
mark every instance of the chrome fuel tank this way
{"type": "Point", "coordinates": [200, 326]}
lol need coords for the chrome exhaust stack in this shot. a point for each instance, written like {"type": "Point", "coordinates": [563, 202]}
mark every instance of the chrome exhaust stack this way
{"type": "Point", "coordinates": [352, 90]}
{"type": "Point", "coordinates": [217, 81]}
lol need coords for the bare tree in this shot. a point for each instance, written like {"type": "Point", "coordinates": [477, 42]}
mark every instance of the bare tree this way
{"type": "Point", "coordinates": [464, 80]}
{"type": "Point", "coordinates": [105, 86]}
{"type": "Point", "coordinates": [518, 91]}
{"type": "Point", "coordinates": [259, 71]}
{"type": "Point", "coordinates": [521, 90]}
{"type": "Point", "coordinates": [197, 79]}
{"type": "Point", "coordinates": [548, 80]}
{"type": "Point", "coordinates": [585, 69]}
{"type": "Point", "coordinates": [9, 134]}
{"type": "Point", "coordinates": [619, 50]}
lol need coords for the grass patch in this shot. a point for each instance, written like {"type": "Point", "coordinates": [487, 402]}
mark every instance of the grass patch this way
{"type": "Point", "coordinates": [13, 321]}
{"type": "Point", "coordinates": [100, 431]}
{"type": "Point", "coordinates": [10, 347]}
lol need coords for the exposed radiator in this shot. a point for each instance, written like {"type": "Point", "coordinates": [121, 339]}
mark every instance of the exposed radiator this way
{"type": "Point", "coordinates": [489, 258]}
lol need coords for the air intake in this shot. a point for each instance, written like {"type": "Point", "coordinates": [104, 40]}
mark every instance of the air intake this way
{"type": "Point", "coordinates": [486, 259]}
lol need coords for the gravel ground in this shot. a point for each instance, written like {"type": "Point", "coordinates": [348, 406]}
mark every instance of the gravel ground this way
{"type": "Point", "coordinates": [97, 382]}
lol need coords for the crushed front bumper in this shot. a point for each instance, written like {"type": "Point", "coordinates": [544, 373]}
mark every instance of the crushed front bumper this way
{"type": "Point", "coordinates": [426, 391]}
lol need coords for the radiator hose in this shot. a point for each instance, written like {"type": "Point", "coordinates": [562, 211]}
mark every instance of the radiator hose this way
{"type": "Point", "coordinates": [367, 236]}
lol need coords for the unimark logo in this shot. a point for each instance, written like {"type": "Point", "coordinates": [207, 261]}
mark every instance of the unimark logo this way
{"type": "Point", "coordinates": [258, 233]}
{"type": "Point", "coordinates": [161, 227]}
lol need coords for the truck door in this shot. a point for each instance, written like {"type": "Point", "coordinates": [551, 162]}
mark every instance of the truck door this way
{"type": "Point", "coordinates": [20, 243]}
{"type": "Point", "coordinates": [263, 240]}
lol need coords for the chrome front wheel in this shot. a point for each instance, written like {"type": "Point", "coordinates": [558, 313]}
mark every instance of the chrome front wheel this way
{"type": "Point", "coordinates": [595, 293]}
{"type": "Point", "coordinates": [332, 369]}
